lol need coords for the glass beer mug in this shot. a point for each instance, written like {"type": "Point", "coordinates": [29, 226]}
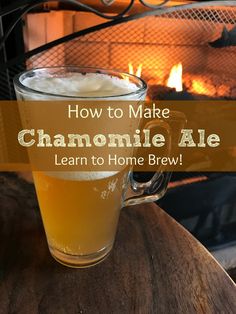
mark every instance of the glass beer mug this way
{"type": "Point", "coordinates": [80, 210]}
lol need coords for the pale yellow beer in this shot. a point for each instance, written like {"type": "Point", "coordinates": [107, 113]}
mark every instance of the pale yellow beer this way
{"type": "Point", "coordinates": [80, 213]}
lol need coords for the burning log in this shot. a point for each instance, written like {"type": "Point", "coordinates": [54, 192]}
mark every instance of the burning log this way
{"type": "Point", "coordinates": [198, 87]}
{"type": "Point", "coordinates": [160, 92]}
{"type": "Point", "coordinates": [188, 86]}
{"type": "Point", "coordinates": [210, 85]}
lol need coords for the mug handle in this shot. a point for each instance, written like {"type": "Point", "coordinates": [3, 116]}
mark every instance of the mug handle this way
{"type": "Point", "coordinates": [155, 188]}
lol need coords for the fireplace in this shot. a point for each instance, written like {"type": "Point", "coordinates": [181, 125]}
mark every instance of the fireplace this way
{"type": "Point", "coordinates": [155, 40]}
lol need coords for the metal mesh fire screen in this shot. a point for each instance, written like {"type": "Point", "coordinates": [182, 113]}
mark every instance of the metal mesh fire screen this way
{"type": "Point", "coordinates": [157, 40]}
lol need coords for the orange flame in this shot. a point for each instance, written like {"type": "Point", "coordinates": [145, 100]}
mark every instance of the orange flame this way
{"type": "Point", "coordinates": [131, 68]}
{"type": "Point", "coordinates": [175, 77]}
{"type": "Point", "coordinates": [138, 71]}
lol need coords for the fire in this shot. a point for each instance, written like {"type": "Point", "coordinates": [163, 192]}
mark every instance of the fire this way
{"type": "Point", "coordinates": [198, 87]}
{"type": "Point", "coordinates": [131, 68]}
{"type": "Point", "coordinates": [175, 77]}
{"type": "Point", "coordinates": [138, 71]}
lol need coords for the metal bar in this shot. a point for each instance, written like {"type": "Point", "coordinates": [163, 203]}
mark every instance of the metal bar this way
{"type": "Point", "coordinates": [3, 56]}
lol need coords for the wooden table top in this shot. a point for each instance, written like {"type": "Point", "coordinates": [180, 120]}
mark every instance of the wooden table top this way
{"type": "Point", "coordinates": [156, 266]}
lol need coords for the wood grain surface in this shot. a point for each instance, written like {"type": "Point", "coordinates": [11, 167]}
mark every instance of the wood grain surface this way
{"type": "Point", "coordinates": [155, 267]}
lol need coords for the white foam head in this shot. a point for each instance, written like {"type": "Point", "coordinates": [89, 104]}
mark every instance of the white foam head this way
{"type": "Point", "coordinates": [81, 176]}
{"type": "Point", "coordinates": [81, 85]}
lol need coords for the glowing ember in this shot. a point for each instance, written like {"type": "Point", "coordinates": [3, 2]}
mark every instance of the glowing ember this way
{"type": "Point", "coordinates": [200, 86]}
{"type": "Point", "coordinates": [138, 71]}
{"type": "Point", "coordinates": [175, 77]}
